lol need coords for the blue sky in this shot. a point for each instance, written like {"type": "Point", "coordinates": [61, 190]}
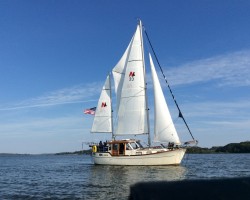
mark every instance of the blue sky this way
{"type": "Point", "coordinates": [55, 55]}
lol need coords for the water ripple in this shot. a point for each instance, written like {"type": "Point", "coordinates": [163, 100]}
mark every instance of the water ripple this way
{"type": "Point", "coordinates": [75, 177]}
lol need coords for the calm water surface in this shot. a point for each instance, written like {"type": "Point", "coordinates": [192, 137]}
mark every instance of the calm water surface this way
{"type": "Point", "coordinates": [75, 177]}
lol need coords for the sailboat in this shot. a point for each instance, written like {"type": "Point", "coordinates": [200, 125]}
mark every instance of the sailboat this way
{"type": "Point", "coordinates": [132, 114]}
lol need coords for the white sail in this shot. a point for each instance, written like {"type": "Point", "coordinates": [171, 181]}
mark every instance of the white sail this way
{"type": "Point", "coordinates": [118, 75]}
{"type": "Point", "coordinates": [132, 112]}
{"type": "Point", "coordinates": [103, 115]}
{"type": "Point", "coordinates": [164, 128]}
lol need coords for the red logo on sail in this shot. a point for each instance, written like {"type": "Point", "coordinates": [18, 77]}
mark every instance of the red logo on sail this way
{"type": "Point", "coordinates": [131, 76]}
{"type": "Point", "coordinates": [104, 105]}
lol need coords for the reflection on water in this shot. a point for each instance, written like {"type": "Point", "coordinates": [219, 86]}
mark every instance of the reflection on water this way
{"type": "Point", "coordinates": [107, 179]}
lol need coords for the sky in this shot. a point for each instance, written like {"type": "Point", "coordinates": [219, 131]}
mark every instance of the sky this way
{"type": "Point", "coordinates": [55, 56]}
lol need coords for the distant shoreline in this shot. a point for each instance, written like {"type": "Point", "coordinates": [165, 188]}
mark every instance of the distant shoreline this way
{"type": "Point", "coordinates": [242, 147]}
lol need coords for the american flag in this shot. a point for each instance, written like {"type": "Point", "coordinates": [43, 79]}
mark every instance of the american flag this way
{"type": "Point", "coordinates": [90, 111]}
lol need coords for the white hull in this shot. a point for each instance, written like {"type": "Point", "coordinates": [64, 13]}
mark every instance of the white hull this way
{"type": "Point", "coordinates": [171, 157]}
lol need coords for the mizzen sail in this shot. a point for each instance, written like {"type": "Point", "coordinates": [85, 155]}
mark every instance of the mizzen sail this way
{"type": "Point", "coordinates": [103, 114]}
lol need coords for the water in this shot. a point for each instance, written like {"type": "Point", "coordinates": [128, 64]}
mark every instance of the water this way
{"type": "Point", "coordinates": [75, 177]}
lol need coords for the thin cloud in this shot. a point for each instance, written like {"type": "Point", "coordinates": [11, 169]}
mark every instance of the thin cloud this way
{"type": "Point", "coordinates": [42, 125]}
{"type": "Point", "coordinates": [72, 95]}
{"type": "Point", "coordinates": [223, 110]}
{"type": "Point", "coordinates": [230, 69]}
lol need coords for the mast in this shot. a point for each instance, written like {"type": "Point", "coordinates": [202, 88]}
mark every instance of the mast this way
{"type": "Point", "coordinates": [112, 123]}
{"type": "Point", "coordinates": [146, 98]}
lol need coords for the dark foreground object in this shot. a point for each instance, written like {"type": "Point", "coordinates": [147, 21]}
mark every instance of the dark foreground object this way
{"type": "Point", "coordinates": [214, 189]}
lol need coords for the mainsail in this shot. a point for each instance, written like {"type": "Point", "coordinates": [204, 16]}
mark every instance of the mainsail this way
{"type": "Point", "coordinates": [103, 114]}
{"type": "Point", "coordinates": [130, 86]}
{"type": "Point", "coordinates": [164, 128]}
{"type": "Point", "coordinates": [118, 74]}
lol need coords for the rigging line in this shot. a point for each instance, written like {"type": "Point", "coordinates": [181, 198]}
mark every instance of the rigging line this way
{"type": "Point", "coordinates": [180, 113]}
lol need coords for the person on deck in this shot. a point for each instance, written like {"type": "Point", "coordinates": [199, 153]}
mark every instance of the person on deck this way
{"type": "Point", "coordinates": [101, 146]}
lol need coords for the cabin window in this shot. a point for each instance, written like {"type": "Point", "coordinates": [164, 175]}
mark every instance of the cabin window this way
{"type": "Point", "coordinates": [139, 144]}
{"type": "Point", "coordinates": [134, 145]}
{"type": "Point", "coordinates": [128, 147]}
{"type": "Point", "coordinates": [115, 146]}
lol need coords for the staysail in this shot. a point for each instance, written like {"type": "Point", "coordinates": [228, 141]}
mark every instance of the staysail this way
{"type": "Point", "coordinates": [164, 128]}
{"type": "Point", "coordinates": [103, 115]}
{"type": "Point", "coordinates": [132, 112]}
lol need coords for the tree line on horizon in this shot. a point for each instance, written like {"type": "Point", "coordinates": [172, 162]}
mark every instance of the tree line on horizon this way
{"type": "Point", "coordinates": [242, 147]}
